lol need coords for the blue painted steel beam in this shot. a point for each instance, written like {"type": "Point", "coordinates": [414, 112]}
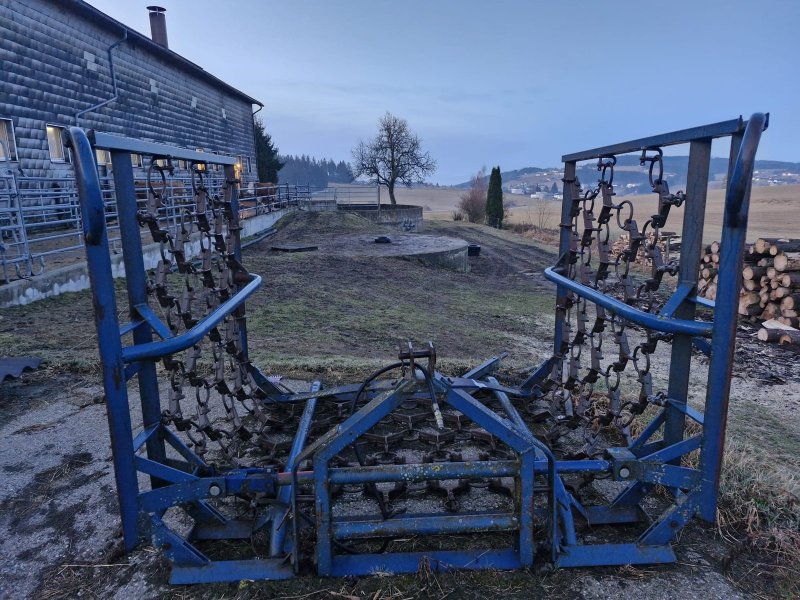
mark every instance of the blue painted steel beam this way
{"type": "Point", "coordinates": [152, 319]}
{"type": "Point", "coordinates": [649, 430]}
{"type": "Point", "coordinates": [675, 450]}
{"type": "Point", "coordinates": [129, 145]}
{"type": "Point", "coordinates": [279, 524]}
{"type": "Point", "coordinates": [231, 570]}
{"type": "Point", "coordinates": [404, 525]}
{"type": "Point", "coordinates": [105, 315]}
{"type": "Point", "coordinates": [424, 471]}
{"type": "Point", "coordinates": [734, 232]}
{"type": "Point", "coordinates": [436, 560]}
{"type": "Point", "coordinates": [715, 130]}
{"type": "Point", "coordinates": [599, 555]}
{"type": "Point", "coordinates": [485, 367]}
{"type": "Point", "coordinates": [689, 268]}
{"type": "Point", "coordinates": [690, 412]}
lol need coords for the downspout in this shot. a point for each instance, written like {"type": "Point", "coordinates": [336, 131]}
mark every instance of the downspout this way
{"type": "Point", "coordinates": [113, 80]}
{"type": "Point", "coordinates": [255, 141]}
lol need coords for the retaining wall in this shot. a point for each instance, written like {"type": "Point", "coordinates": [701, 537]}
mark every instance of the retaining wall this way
{"type": "Point", "coordinates": [405, 217]}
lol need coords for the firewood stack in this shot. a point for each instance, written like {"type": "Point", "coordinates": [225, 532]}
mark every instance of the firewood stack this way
{"type": "Point", "coordinates": [770, 285]}
{"type": "Point", "coordinates": [668, 242]}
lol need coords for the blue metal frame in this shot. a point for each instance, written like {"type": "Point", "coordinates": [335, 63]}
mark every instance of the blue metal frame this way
{"type": "Point", "coordinates": [644, 463]}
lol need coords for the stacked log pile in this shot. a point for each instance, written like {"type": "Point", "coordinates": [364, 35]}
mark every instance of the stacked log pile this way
{"type": "Point", "coordinates": [770, 285]}
{"type": "Point", "coordinates": [668, 242]}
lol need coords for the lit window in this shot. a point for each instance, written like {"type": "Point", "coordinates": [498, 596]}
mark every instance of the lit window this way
{"type": "Point", "coordinates": [55, 141]}
{"type": "Point", "coordinates": [181, 164]}
{"type": "Point", "coordinates": [8, 145]}
{"type": "Point", "coordinates": [136, 160]}
{"type": "Point", "coordinates": [103, 157]}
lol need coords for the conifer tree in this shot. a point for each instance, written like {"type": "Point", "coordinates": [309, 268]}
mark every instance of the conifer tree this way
{"type": "Point", "coordinates": [494, 200]}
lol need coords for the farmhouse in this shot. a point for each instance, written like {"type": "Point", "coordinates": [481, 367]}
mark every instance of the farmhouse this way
{"type": "Point", "coordinates": [66, 63]}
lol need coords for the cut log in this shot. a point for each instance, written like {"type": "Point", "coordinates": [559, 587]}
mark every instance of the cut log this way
{"type": "Point", "coordinates": [762, 245]}
{"type": "Point", "coordinates": [782, 292]}
{"type": "Point", "coordinates": [790, 321]}
{"type": "Point", "coordinates": [789, 279]}
{"type": "Point", "coordinates": [754, 272]}
{"type": "Point", "coordinates": [769, 335]}
{"type": "Point", "coordinates": [750, 310]}
{"type": "Point", "coordinates": [789, 337]}
{"type": "Point", "coordinates": [784, 246]}
{"type": "Point", "coordinates": [750, 285]}
{"type": "Point", "coordinates": [771, 310]}
{"type": "Point", "coordinates": [714, 247]}
{"type": "Point", "coordinates": [790, 302]}
{"type": "Point", "coordinates": [787, 262]}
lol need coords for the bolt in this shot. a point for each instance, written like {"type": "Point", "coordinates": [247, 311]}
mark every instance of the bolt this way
{"type": "Point", "coordinates": [214, 490]}
{"type": "Point", "coordinates": [624, 473]}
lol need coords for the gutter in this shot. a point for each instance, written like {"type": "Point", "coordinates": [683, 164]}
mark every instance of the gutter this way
{"type": "Point", "coordinates": [78, 115]}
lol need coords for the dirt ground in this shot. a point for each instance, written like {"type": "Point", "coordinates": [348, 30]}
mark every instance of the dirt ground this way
{"type": "Point", "coordinates": [336, 318]}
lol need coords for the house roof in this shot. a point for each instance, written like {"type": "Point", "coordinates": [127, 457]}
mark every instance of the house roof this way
{"type": "Point", "coordinates": [134, 37]}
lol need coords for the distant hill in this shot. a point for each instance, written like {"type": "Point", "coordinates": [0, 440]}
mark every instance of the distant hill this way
{"type": "Point", "coordinates": [630, 177]}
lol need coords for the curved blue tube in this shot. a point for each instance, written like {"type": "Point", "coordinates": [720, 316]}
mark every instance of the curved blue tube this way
{"type": "Point", "coordinates": [154, 350]}
{"type": "Point", "coordinates": [649, 320]}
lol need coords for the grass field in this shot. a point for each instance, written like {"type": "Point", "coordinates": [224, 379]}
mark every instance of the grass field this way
{"type": "Point", "coordinates": [773, 210]}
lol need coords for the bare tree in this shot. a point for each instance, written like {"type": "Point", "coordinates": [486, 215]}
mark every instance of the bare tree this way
{"type": "Point", "coordinates": [394, 155]}
{"type": "Point", "coordinates": [543, 214]}
{"type": "Point", "coordinates": [472, 203]}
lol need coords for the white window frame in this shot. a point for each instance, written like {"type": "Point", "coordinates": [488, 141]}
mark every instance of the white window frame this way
{"type": "Point", "coordinates": [136, 160]}
{"type": "Point", "coordinates": [64, 158]}
{"type": "Point", "coordinates": [9, 139]}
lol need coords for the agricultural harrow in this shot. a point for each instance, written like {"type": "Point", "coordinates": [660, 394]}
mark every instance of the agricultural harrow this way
{"type": "Point", "coordinates": [590, 460]}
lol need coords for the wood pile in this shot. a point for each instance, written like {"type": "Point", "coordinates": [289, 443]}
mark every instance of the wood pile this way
{"type": "Point", "coordinates": [770, 284]}
{"type": "Point", "coordinates": [668, 241]}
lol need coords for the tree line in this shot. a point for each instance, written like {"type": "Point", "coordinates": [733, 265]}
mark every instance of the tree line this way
{"type": "Point", "coordinates": [317, 173]}
{"type": "Point", "coordinates": [276, 168]}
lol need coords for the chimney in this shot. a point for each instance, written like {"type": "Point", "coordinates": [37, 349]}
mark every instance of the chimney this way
{"type": "Point", "coordinates": [158, 25]}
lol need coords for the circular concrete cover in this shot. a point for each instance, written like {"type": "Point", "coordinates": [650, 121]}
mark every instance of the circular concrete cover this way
{"type": "Point", "coordinates": [403, 244]}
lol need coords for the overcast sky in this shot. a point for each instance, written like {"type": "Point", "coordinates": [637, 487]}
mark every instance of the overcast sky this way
{"type": "Point", "coordinates": [510, 83]}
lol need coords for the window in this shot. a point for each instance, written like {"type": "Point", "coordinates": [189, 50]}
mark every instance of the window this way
{"type": "Point", "coordinates": [90, 61]}
{"type": "Point", "coordinates": [8, 145]}
{"type": "Point", "coordinates": [103, 157]}
{"type": "Point", "coordinates": [182, 164]}
{"type": "Point", "coordinates": [55, 140]}
{"type": "Point", "coordinates": [249, 165]}
{"type": "Point", "coordinates": [136, 160]}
